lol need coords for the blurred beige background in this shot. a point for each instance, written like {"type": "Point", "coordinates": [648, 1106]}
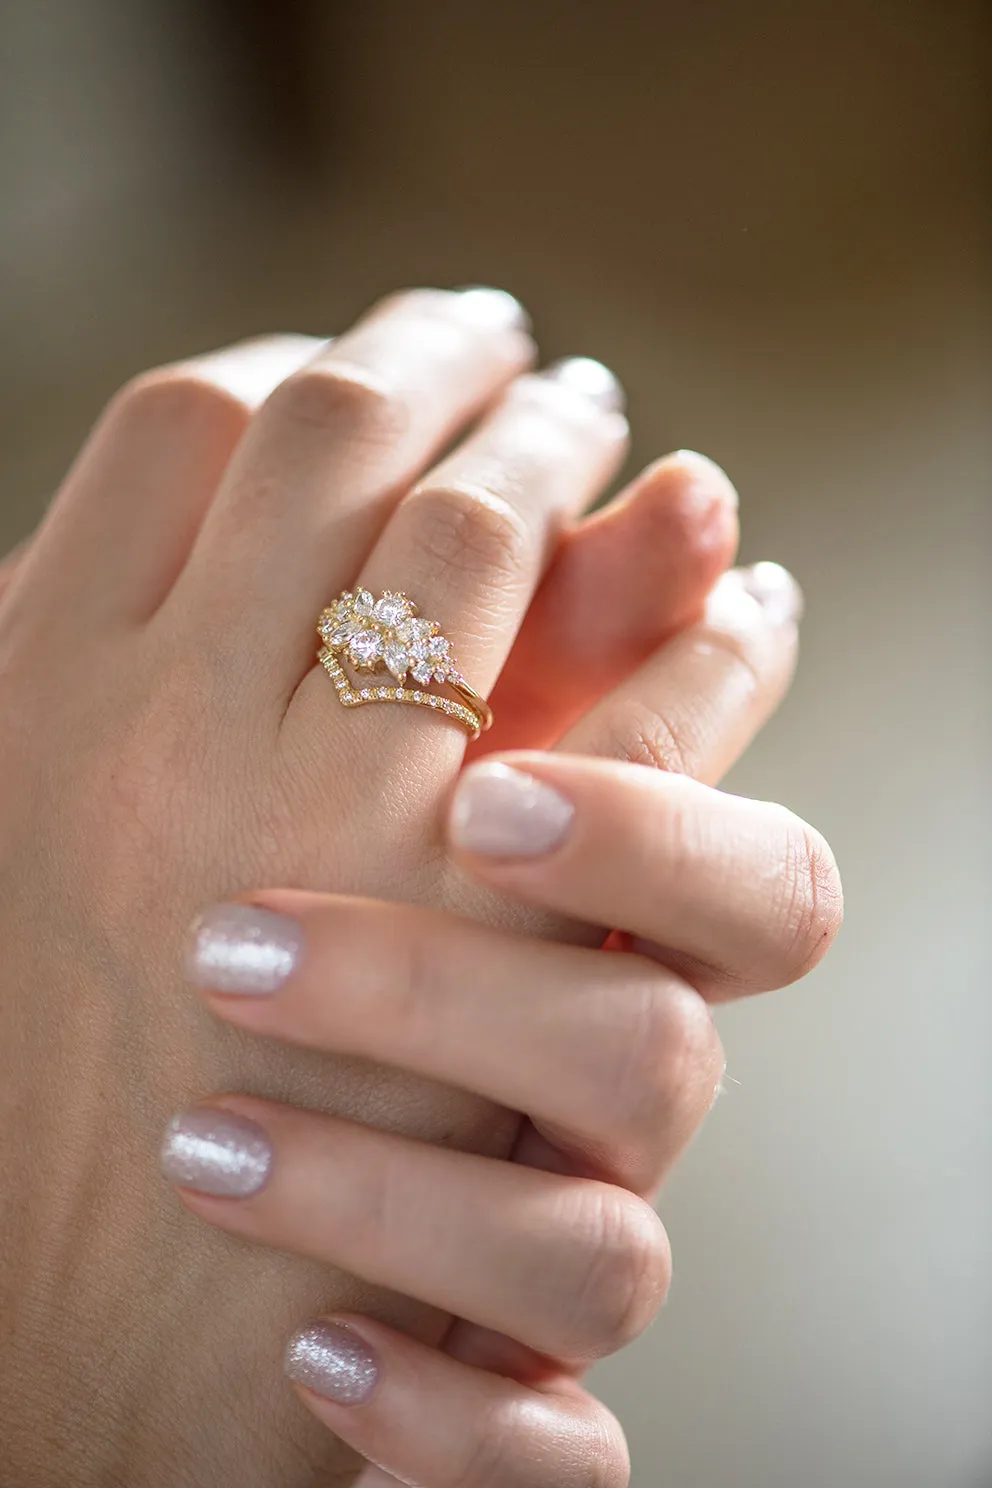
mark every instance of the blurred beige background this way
{"type": "Point", "coordinates": [770, 219]}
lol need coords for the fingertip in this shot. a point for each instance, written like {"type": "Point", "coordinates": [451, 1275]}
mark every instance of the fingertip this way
{"type": "Point", "coordinates": [331, 1359]}
{"type": "Point", "coordinates": [766, 589]}
{"type": "Point", "coordinates": [776, 591]}
{"type": "Point", "coordinates": [703, 483]}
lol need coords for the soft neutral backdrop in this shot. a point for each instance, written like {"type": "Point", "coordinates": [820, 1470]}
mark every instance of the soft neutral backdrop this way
{"type": "Point", "coordinates": [769, 219]}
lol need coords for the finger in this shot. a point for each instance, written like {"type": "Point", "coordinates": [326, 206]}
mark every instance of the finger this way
{"type": "Point", "coordinates": [744, 893]}
{"type": "Point", "coordinates": [328, 456]}
{"type": "Point", "coordinates": [476, 533]}
{"type": "Point", "coordinates": [621, 583]}
{"type": "Point", "coordinates": [697, 703]}
{"type": "Point", "coordinates": [131, 506]}
{"type": "Point", "coordinates": [471, 539]}
{"type": "Point", "coordinates": [421, 1417]}
{"type": "Point", "coordinates": [615, 1059]}
{"type": "Point", "coordinates": [571, 1267]}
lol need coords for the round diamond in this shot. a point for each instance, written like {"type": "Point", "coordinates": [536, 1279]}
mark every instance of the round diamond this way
{"type": "Point", "coordinates": [365, 648]}
{"type": "Point", "coordinates": [422, 671]}
{"type": "Point", "coordinates": [392, 609]}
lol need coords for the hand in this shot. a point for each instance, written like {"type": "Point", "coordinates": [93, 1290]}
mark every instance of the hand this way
{"type": "Point", "coordinates": [613, 1057]}
{"type": "Point", "coordinates": [166, 739]}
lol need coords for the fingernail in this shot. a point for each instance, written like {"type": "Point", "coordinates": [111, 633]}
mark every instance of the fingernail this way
{"type": "Point", "coordinates": [216, 1152]}
{"type": "Point", "coordinates": [592, 379]}
{"type": "Point", "coordinates": [502, 812]}
{"type": "Point", "coordinates": [241, 949]}
{"type": "Point", "coordinates": [491, 309]}
{"type": "Point", "coordinates": [775, 590]}
{"type": "Point", "coordinates": [710, 478]}
{"type": "Point", "coordinates": [334, 1362]}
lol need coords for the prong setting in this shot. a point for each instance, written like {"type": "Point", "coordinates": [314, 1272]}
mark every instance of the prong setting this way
{"type": "Point", "coordinates": [385, 633]}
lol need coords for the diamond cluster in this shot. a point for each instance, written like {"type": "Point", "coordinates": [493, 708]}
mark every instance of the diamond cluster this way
{"type": "Point", "coordinates": [387, 633]}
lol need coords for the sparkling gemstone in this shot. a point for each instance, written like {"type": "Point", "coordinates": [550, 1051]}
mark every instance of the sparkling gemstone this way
{"type": "Point", "coordinates": [438, 648]}
{"type": "Point", "coordinates": [342, 634]}
{"type": "Point", "coordinates": [364, 602]}
{"type": "Point", "coordinates": [392, 609]}
{"type": "Point", "coordinates": [414, 630]}
{"type": "Point", "coordinates": [365, 648]}
{"type": "Point", "coordinates": [397, 659]}
{"type": "Point", "coordinates": [422, 671]}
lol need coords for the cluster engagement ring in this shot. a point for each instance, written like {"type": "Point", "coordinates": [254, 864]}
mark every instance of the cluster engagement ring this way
{"type": "Point", "coordinates": [383, 635]}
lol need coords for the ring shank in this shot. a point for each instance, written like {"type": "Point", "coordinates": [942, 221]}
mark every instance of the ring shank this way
{"type": "Point", "coordinates": [476, 702]}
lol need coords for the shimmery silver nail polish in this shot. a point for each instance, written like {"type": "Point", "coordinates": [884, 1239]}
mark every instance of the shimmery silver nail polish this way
{"type": "Point", "coordinates": [775, 590]}
{"type": "Point", "coordinates": [506, 813]}
{"type": "Point", "coordinates": [591, 378]}
{"type": "Point", "coordinates": [216, 1152]}
{"type": "Point", "coordinates": [491, 309]}
{"type": "Point", "coordinates": [334, 1362]}
{"type": "Point", "coordinates": [245, 950]}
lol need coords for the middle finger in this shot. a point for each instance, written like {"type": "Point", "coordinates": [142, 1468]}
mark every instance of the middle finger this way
{"type": "Point", "coordinates": [324, 461]}
{"type": "Point", "coordinates": [571, 1267]}
{"type": "Point", "coordinates": [615, 1058]}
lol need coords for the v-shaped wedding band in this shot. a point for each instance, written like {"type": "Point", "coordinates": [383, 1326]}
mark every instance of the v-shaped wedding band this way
{"type": "Point", "coordinates": [387, 635]}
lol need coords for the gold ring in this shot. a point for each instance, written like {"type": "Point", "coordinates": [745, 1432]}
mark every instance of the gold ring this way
{"type": "Point", "coordinates": [388, 635]}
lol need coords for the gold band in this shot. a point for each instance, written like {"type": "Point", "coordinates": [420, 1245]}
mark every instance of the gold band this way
{"type": "Point", "coordinates": [386, 634]}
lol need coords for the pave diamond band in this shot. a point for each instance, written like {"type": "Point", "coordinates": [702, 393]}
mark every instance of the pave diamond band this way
{"type": "Point", "coordinates": [386, 634]}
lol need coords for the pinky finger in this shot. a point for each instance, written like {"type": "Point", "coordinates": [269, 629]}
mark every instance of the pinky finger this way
{"type": "Point", "coordinates": [418, 1416]}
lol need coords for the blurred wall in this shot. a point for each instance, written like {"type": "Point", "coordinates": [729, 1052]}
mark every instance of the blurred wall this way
{"type": "Point", "coordinates": [771, 220]}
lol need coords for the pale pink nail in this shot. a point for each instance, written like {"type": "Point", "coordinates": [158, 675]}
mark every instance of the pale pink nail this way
{"type": "Point", "coordinates": [502, 812]}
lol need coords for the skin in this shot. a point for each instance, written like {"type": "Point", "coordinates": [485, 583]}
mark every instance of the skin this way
{"type": "Point", "coordinates": [166, 741]}
{"type": "Point", "coordinates": [555, 1260]}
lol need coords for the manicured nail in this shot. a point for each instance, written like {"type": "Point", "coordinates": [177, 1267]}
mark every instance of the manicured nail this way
{"type": "Point", "coordinates": [216, 1152]}
{"type": "Point", "coordinates": [241, 949]}
{"type": "Point", "coordinates": [491, 309]}
{"type": "Point", "coordinates": [592, 379]}
{"type": "Point", "coordinates": [775, 590]}
{"type": "Point", "coordinates": [334, 1362]}
{"type": "Point", "coordinates": [505, 813]}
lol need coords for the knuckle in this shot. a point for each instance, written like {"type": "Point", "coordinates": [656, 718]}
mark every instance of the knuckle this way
{"type": "Point", "coordinates": [510, 1441]}
{"type": "Point", "coordinates": [178, 400]}
{"type": "Point", "coordinates": [812, 899]}
{"type": "Point", "coordinates": [673, 1062]}
{"type": "Point", "coordinates": [470, 528]}
{"type": "Point", "coordinates": [641, 735]}
{"type": "Point", "coordinates": [340, 397]}
{"type": "Point", "coordinates": [627, 1271]}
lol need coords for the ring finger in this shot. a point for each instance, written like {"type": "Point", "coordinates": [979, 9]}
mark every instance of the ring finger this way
{"type": "Point", "coordinates": [469, 542]}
